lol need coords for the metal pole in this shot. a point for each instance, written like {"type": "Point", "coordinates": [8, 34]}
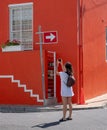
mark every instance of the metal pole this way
{"type": "Point", "coordinates": [41, 58]}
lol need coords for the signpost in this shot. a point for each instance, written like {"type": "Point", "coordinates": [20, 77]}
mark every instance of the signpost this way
{"type": "Point", "coordinates": [42, 63]}
{"type": "Point", "coordinates": [45, 38]}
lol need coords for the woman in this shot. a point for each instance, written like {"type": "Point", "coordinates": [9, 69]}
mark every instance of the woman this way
{"type": "Point", "coordinates": [66, 92]}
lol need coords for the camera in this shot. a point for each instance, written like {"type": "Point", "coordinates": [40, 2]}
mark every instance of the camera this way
{"type": "Point", "coordinates": [59, 60]}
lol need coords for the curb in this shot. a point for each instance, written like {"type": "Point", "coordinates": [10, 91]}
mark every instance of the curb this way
{"type": "Point", "coordinates": [25, 109]}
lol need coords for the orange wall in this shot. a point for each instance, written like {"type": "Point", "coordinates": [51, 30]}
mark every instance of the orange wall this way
{"type": "Point", "coordinates": [52, 15]}
{"type": "Point", "coordinates": [61, 16]}
{"type": "Point", "coordinates": [94, 63]}
{"type": "Point", "coordinates": [55, 15]}
{"type": "Point", "coordinates": [26, 67]}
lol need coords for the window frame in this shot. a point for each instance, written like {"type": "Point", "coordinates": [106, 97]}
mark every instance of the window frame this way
{"type": "Point", "coordinates": [19, 6]}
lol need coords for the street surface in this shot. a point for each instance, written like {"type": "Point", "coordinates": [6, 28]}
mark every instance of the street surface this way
{"type": "Point", "coordinates": [95, 119]}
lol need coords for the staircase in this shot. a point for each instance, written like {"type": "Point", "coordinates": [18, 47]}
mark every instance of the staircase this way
{"type": "Point", "coordinates": [19, 85]}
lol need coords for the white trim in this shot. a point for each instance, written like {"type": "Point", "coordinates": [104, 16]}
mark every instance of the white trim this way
{"type": "Point", "coordinates": [55, 74]}
{"type": "Point", "coordinates": [32, 27]}
{"type": "Point", "coordinates": [15, 5]}
{"type": "Point", "coordinates": [23, 86]}
{"type": "Point", "coordinates": [54, 62]}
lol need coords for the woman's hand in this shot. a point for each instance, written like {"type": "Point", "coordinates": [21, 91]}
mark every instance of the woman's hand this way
{"type": "Point", "coordinates": [60, 61]}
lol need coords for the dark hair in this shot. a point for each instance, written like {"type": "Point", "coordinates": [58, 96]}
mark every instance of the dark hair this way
{"type": "Point", "coordinates": [69, 69]}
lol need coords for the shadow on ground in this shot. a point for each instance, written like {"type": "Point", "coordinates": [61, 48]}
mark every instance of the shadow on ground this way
{"type": "Point", "coordinates": [46, 125]}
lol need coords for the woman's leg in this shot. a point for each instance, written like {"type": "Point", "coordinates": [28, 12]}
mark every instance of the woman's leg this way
{"type": "Point", "coordinates": [70, 107]}
{"type": "Point", "coordinates": [64, 100]}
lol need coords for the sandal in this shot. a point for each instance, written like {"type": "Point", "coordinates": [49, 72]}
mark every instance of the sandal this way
{"type": "Point", "coordinates": [61, 120]}
{"type": "Point", "coordinates": [69, 118]}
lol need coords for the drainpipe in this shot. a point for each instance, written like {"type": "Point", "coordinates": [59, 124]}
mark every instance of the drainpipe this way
{"type": "Point", "coordinates": [80, 51]}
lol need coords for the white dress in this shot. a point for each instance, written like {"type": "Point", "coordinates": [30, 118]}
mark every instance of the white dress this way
{"type": "Point", "coordinates": [65, 91]}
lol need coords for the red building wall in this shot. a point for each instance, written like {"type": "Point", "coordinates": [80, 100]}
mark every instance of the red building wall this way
{"type": "Point", "coordinates": [94, 38]}
{"type": "Point", "coordinates": [25, 68]}
{"type": "Point", "coordinates": [81, 40]}
{"type": "Point", "coordinates": [55, 15]}
{"type": "Point", "coordinates": [63, 19]}
{"type": "Point", "coordinates": [52, 15]}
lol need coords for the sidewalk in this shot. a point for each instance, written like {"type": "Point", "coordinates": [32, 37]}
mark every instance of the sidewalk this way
{"type": "Point", "coordinates": [95, 103]}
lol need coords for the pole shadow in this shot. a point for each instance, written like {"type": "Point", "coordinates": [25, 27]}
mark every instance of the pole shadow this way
{"type": "Point", "coordinates": [46, 125]}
